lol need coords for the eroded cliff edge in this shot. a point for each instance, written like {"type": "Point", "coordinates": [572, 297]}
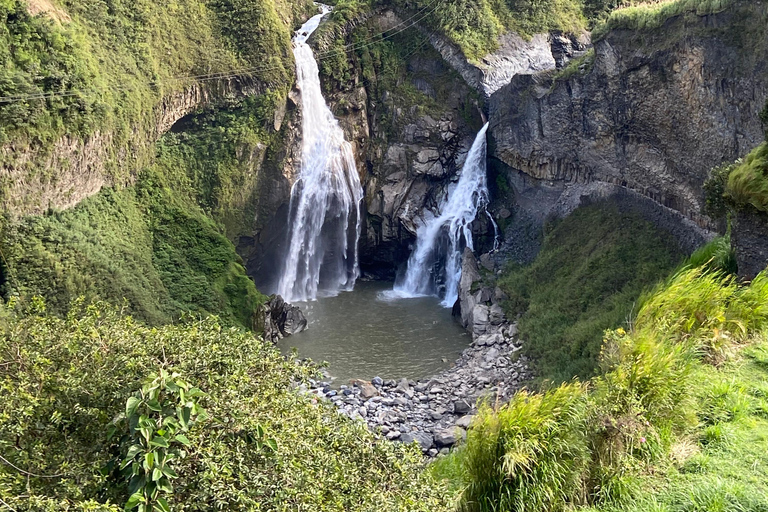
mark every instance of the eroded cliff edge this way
{"type": "Point", "coordinates": [651, 111]}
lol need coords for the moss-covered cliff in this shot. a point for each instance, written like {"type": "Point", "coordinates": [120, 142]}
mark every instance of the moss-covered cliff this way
{"type": "Point", "coordinates": [160, 232]}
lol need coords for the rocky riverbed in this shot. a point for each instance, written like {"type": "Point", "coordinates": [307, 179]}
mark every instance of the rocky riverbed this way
{"type": "Point", "coordinates": [436, 412]}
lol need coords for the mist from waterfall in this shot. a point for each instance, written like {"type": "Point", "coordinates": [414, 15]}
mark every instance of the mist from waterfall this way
{"type": "Point", "coordinates": [437, 255]}
{"type": "Point", "coordinates": [324, 213]}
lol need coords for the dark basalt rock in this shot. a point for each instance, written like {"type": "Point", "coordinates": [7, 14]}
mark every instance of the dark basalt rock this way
{"type": "Point", "coordinates": [278, 319]}
{"type": "Point", "coordinates": [749, 238]}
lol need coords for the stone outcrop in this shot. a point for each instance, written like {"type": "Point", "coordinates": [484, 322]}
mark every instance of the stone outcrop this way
{"type": "Point", "coordinates": [278, 319]}
{"type": "Point", "coordinates": [749, 239]}
{"type": "Point", "coordinates": [651, 112]}
{"type": "Point", "coordinates": [515, 56]}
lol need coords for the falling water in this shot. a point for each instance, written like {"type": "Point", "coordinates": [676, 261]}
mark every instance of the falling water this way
{"type": "Point", "coordinates": [439, 238]}
{"type": "Point", "coordinates": [325, 200]}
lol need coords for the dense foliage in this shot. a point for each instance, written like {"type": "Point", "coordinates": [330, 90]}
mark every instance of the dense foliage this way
{"type": "Point", "coordinates": [669, 390]}
{"type": "Point", "coordinates": [161, 244]}
{"type": "Point", "coordinates": [78, 391]}
{"type": "Point", "coordinates": [592, 268]}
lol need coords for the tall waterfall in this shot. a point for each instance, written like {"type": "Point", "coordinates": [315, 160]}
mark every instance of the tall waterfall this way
{"type": "Point", "coordinates": [324, 216]}
{"type": "Point", "coordinates": [438, 241]}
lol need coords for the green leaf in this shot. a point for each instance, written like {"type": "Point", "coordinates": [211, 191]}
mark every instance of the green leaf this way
{"type": "Point", "coordinates": [169, 472]}
{"type": "Point", "coordinates": [154, 405]}
{"type": "Point", "coordinates": [162, 505]}
{"type": "Point", "coordinates": [182, 439]}
{"type": "Point", "coordinates": [259, 431]}
{"type": "Point", "coordinates": [271, 444]}
{"type": "Point", "coordinates": [133, 451]}
{"type": "Point", "coordinates": [149, 460]}
{"type": "Point", "coordinates": [134, 501]}
{"type": "Point", "coordinates": [131, 405]}
{"type": "Point", "coordinates": [159, 441]}
{"type": "Point", "coordinates": [164, 485]}
{"type": "Point", "coordinates": [156, 474]}
{"type": "Point", "coordinates": [184, 414]}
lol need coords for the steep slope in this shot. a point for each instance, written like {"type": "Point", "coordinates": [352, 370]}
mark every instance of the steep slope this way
{"type": "Point", "coordinates": [653, 109]}
{"type": "Point", "coordinates": [88, 87]}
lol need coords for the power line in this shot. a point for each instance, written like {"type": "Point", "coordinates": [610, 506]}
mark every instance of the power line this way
{"type": "Point", "coordinates": [382, 36]}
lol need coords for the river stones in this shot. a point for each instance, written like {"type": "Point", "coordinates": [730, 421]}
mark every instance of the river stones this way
{"type": "Point", "coordinates": [368, 390]}
{"type": "Point", "coordinates": [425, 440]}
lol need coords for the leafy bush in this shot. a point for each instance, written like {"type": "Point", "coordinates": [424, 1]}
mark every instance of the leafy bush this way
{"type": "Point", "coordinates": [591, 270]}
{"type": "Point", "coordinates": [65, 384]}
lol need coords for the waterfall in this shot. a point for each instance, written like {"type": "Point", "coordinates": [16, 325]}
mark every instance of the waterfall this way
{"type": "Point", "coordinates": [439, 240]}
{"type": "Point", "coordinates": [324, 211]}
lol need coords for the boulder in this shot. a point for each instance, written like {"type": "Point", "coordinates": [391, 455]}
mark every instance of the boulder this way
{"type": "Point", "coordinates": [425, 440]}
{"type": "Point", "coordinates": [368, 390]}
{"type": "Point", "coordinates": [465, 421]}
{"type": "Point", "coordinates": [277, 319]}
{"type": "Point", "coordinates": [449, 436]}
{"type": "Point", "coordinates": [461, 407]}
{"type": "Point", "coordinates": [480, 319]}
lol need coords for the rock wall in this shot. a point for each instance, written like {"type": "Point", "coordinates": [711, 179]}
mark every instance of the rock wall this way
{"type": "Point", "coordinates": [749, 238]}
{"type": "Point", "coordinates": [652, 111]}
{"type": "Point", "coordinates": [77, 168]}
{"type": "Point", "coordinates": [409, 147]}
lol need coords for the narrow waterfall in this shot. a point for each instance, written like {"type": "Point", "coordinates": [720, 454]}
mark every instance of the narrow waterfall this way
{"type": "Point", "coordinates": [437, 255]}
{"type": "Point", "coordinates": [324, 216]}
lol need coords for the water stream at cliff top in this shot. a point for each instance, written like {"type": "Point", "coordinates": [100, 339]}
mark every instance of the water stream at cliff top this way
{"type": "Point", "coordinates": [441, 240]}
{"type": "Point", "coordinates": [324, 213]}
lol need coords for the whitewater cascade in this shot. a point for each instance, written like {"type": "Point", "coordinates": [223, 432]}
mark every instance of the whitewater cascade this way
{"type": "Point", "coordinates": [324, 216]}
{"type": "Point", "coordinates": [439, 239]}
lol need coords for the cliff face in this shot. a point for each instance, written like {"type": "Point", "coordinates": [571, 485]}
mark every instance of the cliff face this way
{"type": "Point", "coordinates": [76, 168]}
{"type": "Point", "coordinates": [411, 119]}
{"type": "Point", "coordinates": [650, 111]}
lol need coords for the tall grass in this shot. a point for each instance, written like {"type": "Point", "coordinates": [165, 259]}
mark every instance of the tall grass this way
{"type": "Point", "coordinates": [651, 15]}
{"type": "Point", "coordinates": [591, 444]}
{"type": "Point", "coordinates": [748, 183]}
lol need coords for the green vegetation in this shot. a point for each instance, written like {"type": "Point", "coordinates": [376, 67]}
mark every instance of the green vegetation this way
{"type": "Point", "coordinates": [641, 15]}
{"type": "Point", "coordinates": [109, 66]}
{"type": "Point", "coordinates": [675, 420]}
{"type": "Point", "coordinates": [158, 245]}
{"type": "Point", "coordinates": [80, 393]}
{"type": "Point", "coordinates": [589, 275]}
{"type": "Point", "coordinates": [475, 25]}
{"type": "Point", "coordinates": [748, 183]}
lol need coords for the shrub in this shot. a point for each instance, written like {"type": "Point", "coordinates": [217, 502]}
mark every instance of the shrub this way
{"type": "Point", "coordinates": [65, 381]}
{"type": "Point", "coordinates": [530, 454]}
{"type": "Point", "coordinates": [592, 444]}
